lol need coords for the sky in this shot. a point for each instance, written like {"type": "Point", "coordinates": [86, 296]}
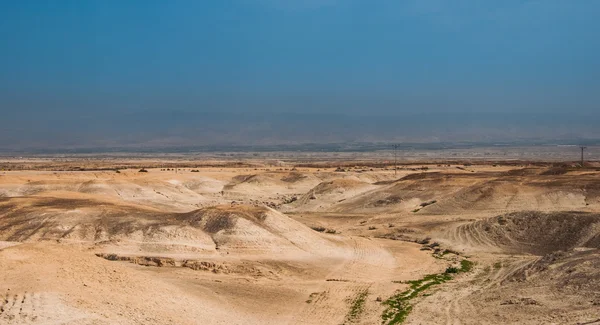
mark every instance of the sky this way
{"type": "Point", "coordinates": [71, 61]}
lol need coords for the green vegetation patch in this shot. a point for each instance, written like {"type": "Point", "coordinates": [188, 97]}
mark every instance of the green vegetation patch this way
{"type": "Point", "coordinates": [466, 266]}
{"type": "Point", "coordinates": [398, 306]}
{"type": "Point", "coordinates": [357, 307]}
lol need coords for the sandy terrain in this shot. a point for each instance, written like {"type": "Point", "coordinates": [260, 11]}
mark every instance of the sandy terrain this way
{"type": "Point", "coordinates": [250, 243]}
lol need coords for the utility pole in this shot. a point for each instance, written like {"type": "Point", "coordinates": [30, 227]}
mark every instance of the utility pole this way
{"type": "Point", "coordinates": [582, 148]}
{"type": "Point", "coordinates": [395, 159]}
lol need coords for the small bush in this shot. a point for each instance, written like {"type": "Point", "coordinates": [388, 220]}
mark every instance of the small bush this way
{"type": "Point", "coordinates": [423, 241]}
{"type": "Point", "coordinates": [466, 266]}
{"type": "Point", "coordinates": [424, 204]}
{"type": "Point", "coordinates": [112, 257]}
{"type": "Point", "coordinates": [323, 229]}
{"type": "Point", "coordinates": [319, 229]}
{"type": "Point", "coordinates": [451, 270]}
{"type": "Point", "coordinates": [142, 171]}
{"type": "Point", "coordinates": [312, 297]}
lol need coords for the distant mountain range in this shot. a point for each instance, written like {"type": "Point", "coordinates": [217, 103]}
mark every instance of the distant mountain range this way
{"type": "Point", "coordinates": [171, 129]}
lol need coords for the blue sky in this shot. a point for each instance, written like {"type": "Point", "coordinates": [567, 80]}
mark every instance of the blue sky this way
{"type": "Point", "coordinates": [377, 57]}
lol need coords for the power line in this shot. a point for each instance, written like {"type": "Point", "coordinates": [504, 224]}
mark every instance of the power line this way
{"type": "Point", "coordinates": [582, 149]}
{"type": "Point", "coordinates": [395, 159]}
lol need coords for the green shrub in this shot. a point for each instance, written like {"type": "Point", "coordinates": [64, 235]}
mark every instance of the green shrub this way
{"type": "Point", "coordinates": [451, 270]}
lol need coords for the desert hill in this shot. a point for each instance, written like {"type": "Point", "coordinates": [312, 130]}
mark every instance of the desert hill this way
{"type": "Point", "coordinates": [313, 245]}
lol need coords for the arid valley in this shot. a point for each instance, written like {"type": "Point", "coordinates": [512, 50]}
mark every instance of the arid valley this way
{"type": "Point", "coordinates": [257, 242]}
{"type": "Point", "coordinates": [299, 162]}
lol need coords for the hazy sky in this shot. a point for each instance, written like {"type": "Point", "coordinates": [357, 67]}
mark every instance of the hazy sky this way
{"type": "Point", "coordinates": [376, 57]}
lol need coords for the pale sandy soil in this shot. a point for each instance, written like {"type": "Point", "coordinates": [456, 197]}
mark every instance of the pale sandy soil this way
{"type": "Point", "coordinates": [234, 245]}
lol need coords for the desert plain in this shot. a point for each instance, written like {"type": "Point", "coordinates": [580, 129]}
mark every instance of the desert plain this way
{"type": "Point", "coordinates": [126, 241]}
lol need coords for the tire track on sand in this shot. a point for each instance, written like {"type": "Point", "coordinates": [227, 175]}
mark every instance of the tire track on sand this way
{"type": "Point", "coordinates": [351, 277]}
